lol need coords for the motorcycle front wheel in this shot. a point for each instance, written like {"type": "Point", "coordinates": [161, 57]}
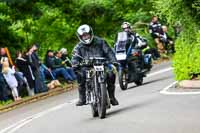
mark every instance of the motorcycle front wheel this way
{"type": "Point", "coordinates": [123, 81]}
{"type": "Point", "coordinates": [94, 110]}
{"type": "Point", "coordinates": [102, 100]}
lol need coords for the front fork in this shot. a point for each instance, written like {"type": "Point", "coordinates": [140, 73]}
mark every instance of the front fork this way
{"type": "Point", "coordinates": [92, 86]}
{"type": "Point", "coordinates": [90, 94]}
{"type": "Point", "coordinates": [90, 97]}
{"type": "Point", "coordinates": [123, 67]}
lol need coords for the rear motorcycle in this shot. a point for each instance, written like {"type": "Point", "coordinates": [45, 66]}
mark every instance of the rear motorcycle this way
{"type": "Point", "coordinates": [133, 67]}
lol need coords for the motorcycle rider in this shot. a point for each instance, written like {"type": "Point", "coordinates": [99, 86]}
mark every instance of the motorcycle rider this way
{"type": "Point", "coordinates": [141, 42]}
{"type": "Point", "coordinates": [136, 42]}
{"type": "Point", "coordinates": [92, 46]}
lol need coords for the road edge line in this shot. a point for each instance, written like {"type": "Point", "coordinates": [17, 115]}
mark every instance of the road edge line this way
{"type": "Point", "coordinates": [165, 92]}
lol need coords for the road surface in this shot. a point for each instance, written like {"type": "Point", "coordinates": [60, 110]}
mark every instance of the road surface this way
{"type": "Point", "coordinates": [142, 109]}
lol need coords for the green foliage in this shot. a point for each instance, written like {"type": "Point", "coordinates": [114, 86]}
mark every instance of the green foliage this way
{"type": "Point", "coordinates": [186, 60]}
{"type": "Point", "coordinates": [7, 36]}
{"type": "Point", "coordinates": [53, 24]}
{"type": "Point", "coordinates": [3, 103]}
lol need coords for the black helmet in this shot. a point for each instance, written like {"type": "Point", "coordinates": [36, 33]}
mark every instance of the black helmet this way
{"type": "Point", "coordinates": [85, 34]}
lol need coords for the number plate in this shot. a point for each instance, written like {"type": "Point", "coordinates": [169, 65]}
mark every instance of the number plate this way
{"type": "Point", "coordinates": [99, 68]}
{"type": "Point", "coordinates": [121, 56]}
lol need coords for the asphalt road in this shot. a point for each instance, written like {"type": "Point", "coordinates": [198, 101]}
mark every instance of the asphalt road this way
{"type": "Point", "coordinates": [142, 110]}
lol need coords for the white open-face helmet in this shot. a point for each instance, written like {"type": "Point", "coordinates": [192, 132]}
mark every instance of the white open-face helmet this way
{"type": "Point", "coordinates": [85, 34]}
{"type": "Point", "coordinates": [125, 26]}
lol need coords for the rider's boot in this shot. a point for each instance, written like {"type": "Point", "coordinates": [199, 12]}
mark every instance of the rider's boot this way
{"type": "Point", "coordinates": [111, 89]}
{"type": "Point", "coordinates": [113, 100]}
{"type": "Point", "coordinates": [82, 97]}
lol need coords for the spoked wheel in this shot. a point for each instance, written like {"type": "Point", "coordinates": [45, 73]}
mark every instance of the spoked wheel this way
{"type": "Point", "coordinates": [91, 98]}
{"type": "Point", "coordinates": [94, 110]}
{"type": "Point", "coordinates": [123, 81]}
{"type": "Point", "coordinates": [102, 102]}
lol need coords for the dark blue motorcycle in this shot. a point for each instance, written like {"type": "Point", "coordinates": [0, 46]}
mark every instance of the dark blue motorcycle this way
{"type": "Point", "coordinates": [133, 64]}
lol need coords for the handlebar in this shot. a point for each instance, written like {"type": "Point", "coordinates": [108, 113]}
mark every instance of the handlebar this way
{"type": "Point", "coordinates": [91, 62]}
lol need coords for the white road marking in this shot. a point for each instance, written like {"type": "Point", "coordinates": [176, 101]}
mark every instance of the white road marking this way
{"type": "Point", "coordinates": [21, 123]}
{"type": "Point", "coordinates": [159, 72]}
{"type": "Point", "coordinates": [166, 92]}
{"type": "Point", "coordinates": [154, 73]}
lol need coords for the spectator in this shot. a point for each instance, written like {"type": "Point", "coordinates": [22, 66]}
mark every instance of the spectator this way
{"type": "Point", "coordinates": [24, 67]}
{"type": "Point", "coordinates": [18, 75]}
{"type": "Point", "coordinates": [3, 85]}
{"type": "Point", "coordinates": [46, 72]}
{"type": "Point", "coordinates": [8, 74]}
{"type": "Point", "coordinates": [55, 68]}
{"type": "Point", "coordinates": [155, 29]}
{"type": "Point", "coordinates": [65, 57]}
{"type": "Point", "coordinates": [34, 61]}
{"type": "Point", "coordinates": [3, 88]}
{"type": "Point", "coordinates": [3, 54]}
{"type": "Point", "coordinates": [59, 61]}
{"type": "Point", "coordinates": [167, 40]}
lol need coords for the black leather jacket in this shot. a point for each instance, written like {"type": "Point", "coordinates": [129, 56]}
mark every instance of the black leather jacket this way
{"type": "Point", "coordinates": [155, 29]}
{"type": "Point", "coordinates": [98, 48]}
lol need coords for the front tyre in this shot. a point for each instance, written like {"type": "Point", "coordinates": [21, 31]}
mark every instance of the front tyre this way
{"type": "Point", "coordinates": [94, 110]}
{"type": "Point", "coordinates": [102, 96]}
{"type": "Point", "coordinates": [123, 82]}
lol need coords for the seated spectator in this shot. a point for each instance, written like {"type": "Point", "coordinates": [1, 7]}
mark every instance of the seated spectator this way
{"type": "Point", "coordinates": [64, 57]}
{"type": "Point", "coordinates": [46, 73]}
{"type": "Point", "coordinates": [9, 76]}
{"type": "Point", "coordinates": [56, 68]}
{"type": "Point", "coordinates": [167, 40]}
{"type": "Point", "coordinates": [59, 60]}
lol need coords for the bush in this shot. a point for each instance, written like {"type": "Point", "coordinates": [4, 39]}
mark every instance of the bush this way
{"type": "Point", "coordinates": [53, 24]}
{"type": "Point", "coordinates": [186, 61]}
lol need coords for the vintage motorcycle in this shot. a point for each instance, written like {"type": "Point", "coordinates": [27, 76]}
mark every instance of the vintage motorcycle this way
{"type": "Point", "coordinates": [96, 87]}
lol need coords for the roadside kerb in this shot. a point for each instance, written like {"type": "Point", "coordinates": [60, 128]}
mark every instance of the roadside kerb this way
{"type": "Point", "coordinates": [36, 98]}
{"type": "Point", "coordinates": [189, 84]}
